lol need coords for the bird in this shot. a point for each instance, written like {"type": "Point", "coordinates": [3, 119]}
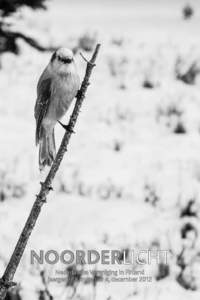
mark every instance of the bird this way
{"type": "Point", "coordinates": [57, 87]}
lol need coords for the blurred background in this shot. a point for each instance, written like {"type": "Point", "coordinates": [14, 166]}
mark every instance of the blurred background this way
{"type": "Point", "coordinates": [131, 176]}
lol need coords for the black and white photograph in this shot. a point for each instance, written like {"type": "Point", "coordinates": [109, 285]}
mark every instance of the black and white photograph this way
{"type": "Point", "coordinates": [99, 149]}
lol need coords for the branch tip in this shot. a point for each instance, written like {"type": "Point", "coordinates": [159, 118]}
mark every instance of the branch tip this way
{"type": "Point", "coordinates": [87, 61]}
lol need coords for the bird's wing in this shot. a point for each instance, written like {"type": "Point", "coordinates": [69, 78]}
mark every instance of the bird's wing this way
{"type": "Point", "coordinates": [42, 103]}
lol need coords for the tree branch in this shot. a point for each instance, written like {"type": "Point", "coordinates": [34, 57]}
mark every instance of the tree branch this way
{"type": "Point", "coordinates": [6, 280]}
{"type": "Point", "coordinates": [9, 41]}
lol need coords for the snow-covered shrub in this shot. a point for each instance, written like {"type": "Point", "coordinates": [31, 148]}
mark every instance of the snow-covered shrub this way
{"type": "Point", "coordinates": [118, 66]}
{"type": "Point", "coordinates": [185, 72]}
{"type": "Point", "coordinates": [117, 41]}
{"type": "Point", "coordinates": [190, 209]}
{"type": "Point", "coordinates": [151, 196]}
{"type": "Point", "coordinates": [10, 187]}
{"type": "Point", "coordinates": [87, 41]}
{"type": "Point", "coordinates": [171, 115]}
{"type": "Point", "coordinates": [187, 12]}
{"type": "Point", "coordinates": [148, 84]}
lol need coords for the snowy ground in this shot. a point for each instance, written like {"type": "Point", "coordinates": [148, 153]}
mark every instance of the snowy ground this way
{"type": "Point", "coordinates": [131, 177]}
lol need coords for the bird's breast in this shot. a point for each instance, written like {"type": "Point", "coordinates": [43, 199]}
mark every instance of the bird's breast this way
{"type": "Point", "coordinates": [63, 90]}
{"type": "Point", "coordinates": [65, 87]}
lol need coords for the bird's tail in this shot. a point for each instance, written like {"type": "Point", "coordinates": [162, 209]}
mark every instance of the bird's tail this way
{"type": "Point", "coordinates": [47, 148]}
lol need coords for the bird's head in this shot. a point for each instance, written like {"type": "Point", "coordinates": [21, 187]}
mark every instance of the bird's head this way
{"type": "Point", "coordinates": [62, 61]}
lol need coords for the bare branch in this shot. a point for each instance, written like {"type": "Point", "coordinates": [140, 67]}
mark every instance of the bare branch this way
{"type": "Point", "coordinates": [6, 280]}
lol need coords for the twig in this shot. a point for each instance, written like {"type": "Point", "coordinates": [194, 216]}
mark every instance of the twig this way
{"type": "Point", "coordinates": [6, 280]}
{"type": "Point", "coordinates": [85, 59]}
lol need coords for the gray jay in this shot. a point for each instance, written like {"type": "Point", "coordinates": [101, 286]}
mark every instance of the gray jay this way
{"type": "Point", "coordinates": [57, 87]}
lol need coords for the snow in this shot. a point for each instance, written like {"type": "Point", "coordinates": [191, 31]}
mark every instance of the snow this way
{"type": "Point", "coordinates": [127, 175]}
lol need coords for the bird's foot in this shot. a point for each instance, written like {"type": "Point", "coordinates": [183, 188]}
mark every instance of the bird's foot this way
{"type": "Point", "coordinates": [66, 127]}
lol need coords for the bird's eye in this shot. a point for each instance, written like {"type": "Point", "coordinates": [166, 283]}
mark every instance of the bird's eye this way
{"type": "Point", "coordinates": [67, 60]}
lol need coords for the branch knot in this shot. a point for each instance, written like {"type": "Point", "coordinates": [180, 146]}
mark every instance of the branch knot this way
{"type": "Point", "coordinates": [45, 186]}
{"type": "Point", "coordinates": [6, 283]}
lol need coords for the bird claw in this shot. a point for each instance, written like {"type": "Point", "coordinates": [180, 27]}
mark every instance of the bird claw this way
{"type": "Point", "coordinates": [66, 127]}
